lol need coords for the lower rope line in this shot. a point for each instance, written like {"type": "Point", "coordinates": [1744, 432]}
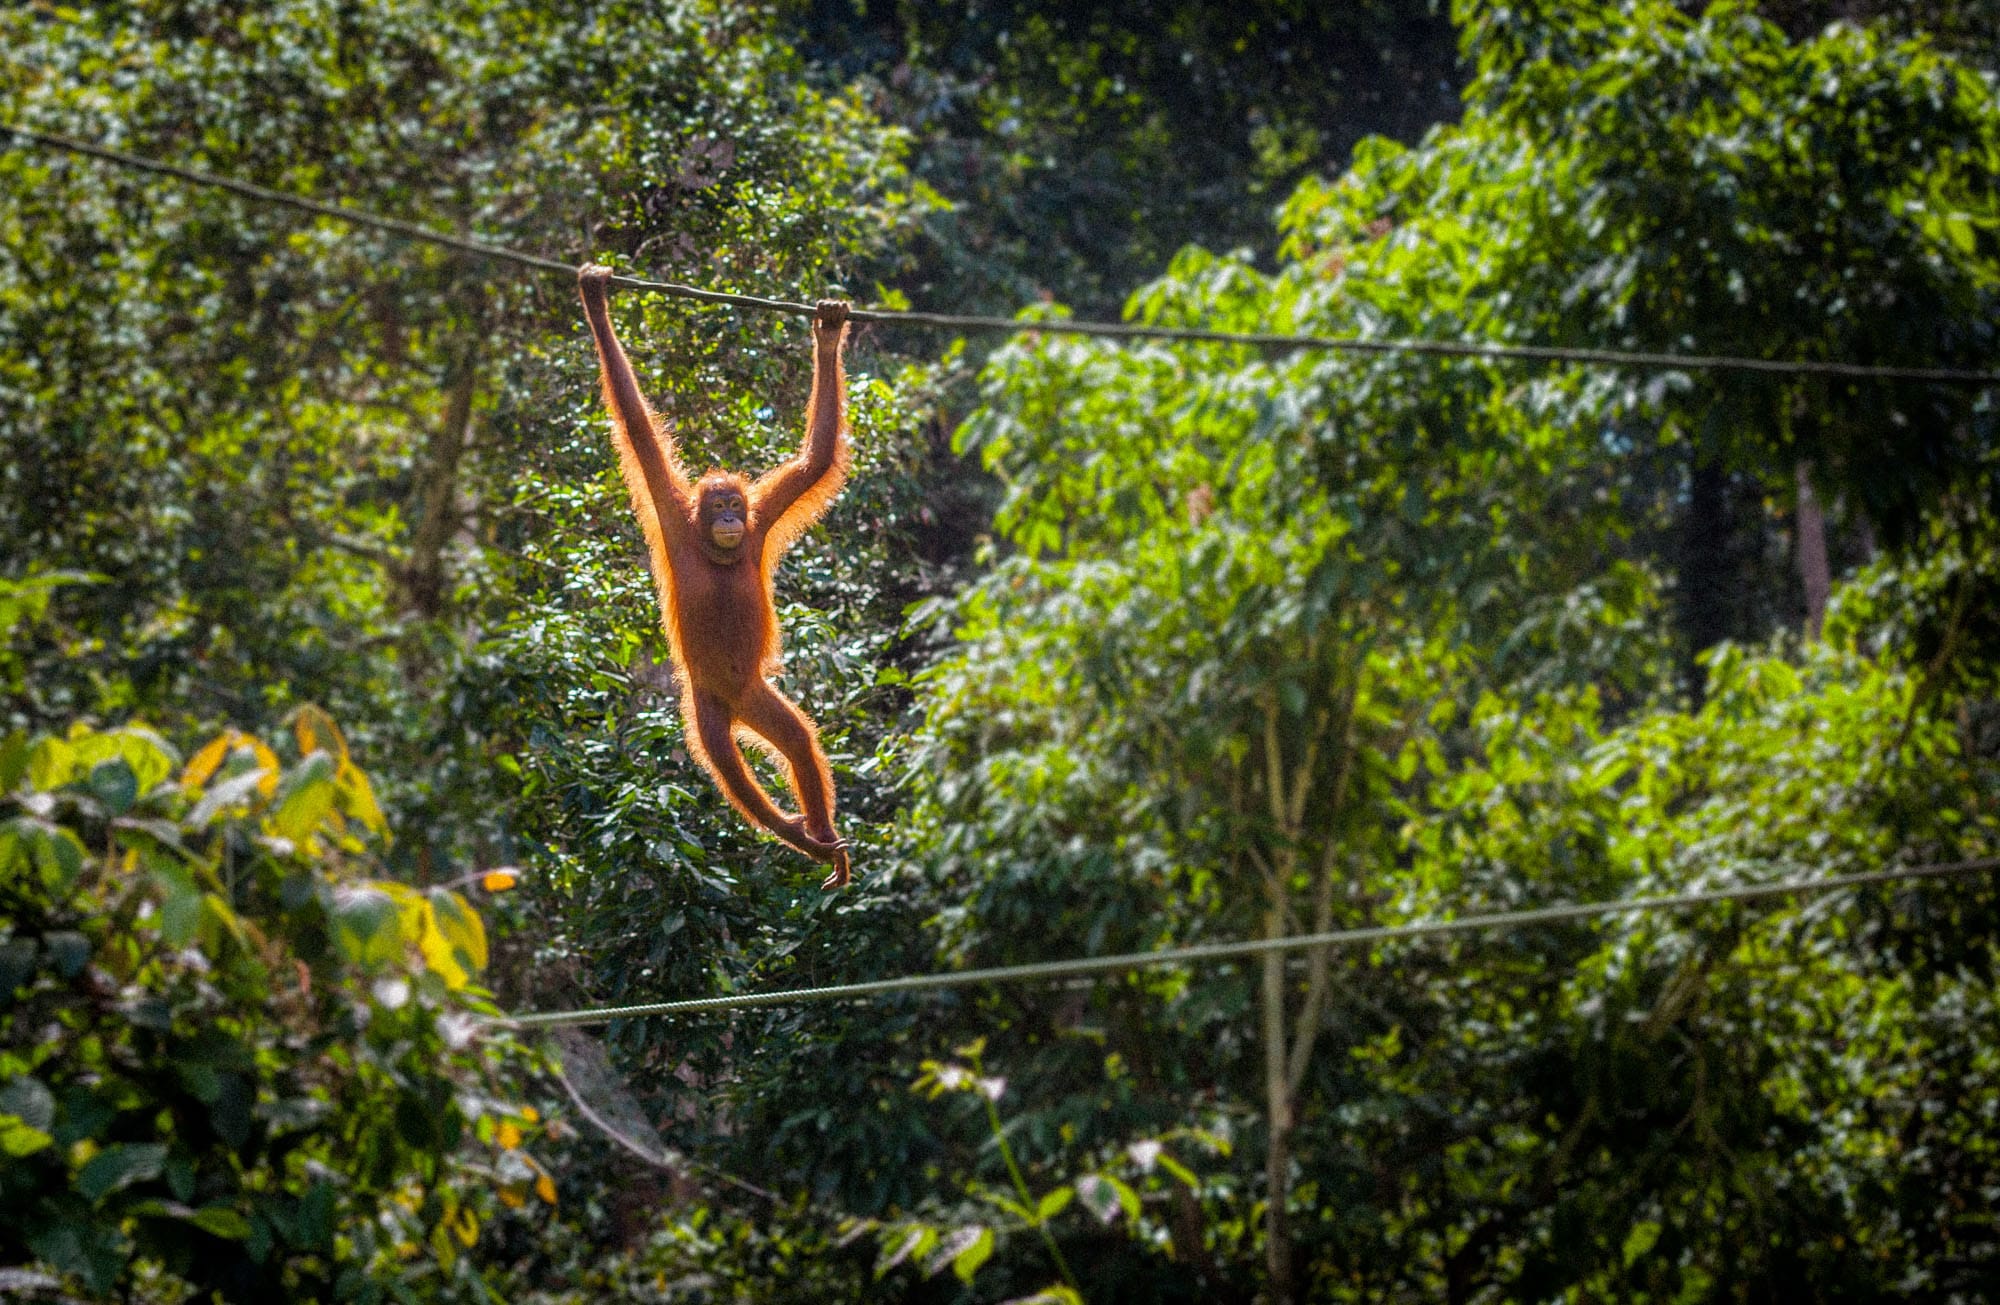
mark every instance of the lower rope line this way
{"type": "Point", "coordinates": [963, 322]}
{"type": "Point", "coordinates": [1253, 947]}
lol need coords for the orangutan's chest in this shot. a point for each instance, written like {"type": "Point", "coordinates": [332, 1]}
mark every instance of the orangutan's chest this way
{"type": "Point", "coordinates": [721, 601]}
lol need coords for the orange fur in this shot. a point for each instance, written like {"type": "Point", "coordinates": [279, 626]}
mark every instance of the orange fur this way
{"type": "Point", "coordinates": [648, 513]}
{"type": "Point", "coordinates": [716, 599]}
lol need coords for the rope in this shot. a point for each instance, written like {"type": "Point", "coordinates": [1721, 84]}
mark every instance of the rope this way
{"type": "Point", "coordinates": [960, 322]}
{"type": "Point", "coordinates": [1254, 947]}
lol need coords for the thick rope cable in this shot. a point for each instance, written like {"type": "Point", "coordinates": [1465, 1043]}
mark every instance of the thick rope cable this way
{"type": "Point", "coordinates": [961, 322]}
{"type": "Point", "coordinates": [1131, 961]}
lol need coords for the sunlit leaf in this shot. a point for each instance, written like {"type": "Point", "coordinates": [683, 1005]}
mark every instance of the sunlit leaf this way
{"type": "Point", "coordinates": [51, 763]}
{"type": "Point", "coordinates": [210, 758]}
{"type": "Point", "coordinates": [1179, 1171]}
{"type": "Point", "coordinates": [367, 924]}
{"type": "Point", "coordinates": [356, 798]}
{"type": "Point", "coordinates": [966, 1263]}
{"type": "Point", "coordinates": [454, 940]}
{"type": "Point", "coordinates": [315, 732]}
{"type": "Point", "coordinates": [963, 1250]}
{"type": "Point", "coordinates": [913, 1241]}
{"type": "Point", "coordinates": [305, 799]}
{"type": "Point", "coordinates": [221, 1221]}
{"type": "Point", "coordinates": [1105, 1196]}
{"type": "Point", "coordinates": [18, 1139]}
{"type": "Point", "coordinates": [230, 793]}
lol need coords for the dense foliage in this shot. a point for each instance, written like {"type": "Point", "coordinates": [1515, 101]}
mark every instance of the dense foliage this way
{"type": "Point", "coordinates": [233, 1062]}
{"type": "Point", "coordinates": [1292, 643]}
{"type": "Point", "coordinates": [1116, 646]}
{"type": "Point", "coordinates": [1084, 143]}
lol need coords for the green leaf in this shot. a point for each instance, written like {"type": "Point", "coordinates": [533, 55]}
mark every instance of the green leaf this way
{"type": "Point", "coordinates": [13, 760]}
{"type": "Point", "coordinates": [180, 915]}
{"type": "Point", "coordinates": [1180, 1171]}
{"type": "Point", "coordinates": [222, 1221]}
{"type": "Point", "coordinates": [69, 952]}
{"type": "Point", "coordinates": [1105, 1196]}
{"type": "Point", "coordinates": [314, 1225]}
{"type": "Point", "coordinates": [51, 764]}
{"type": "Point", "coordinates": [16, 836]}
{"type": "Point", "coordinates": [916, 1240]}
{"type": "Point", "coordinates": [219, 923]}
{"type": "Point", "coordinates": [1000, 1200]}
{"type": "Point", "coordinates": [59, 855]}
{"type": "Point", "coordinates": [1640, 1240]}
{"type": "Point", "coordinates": [30, 1101]}
{"type": "Point", "coordinates": [973, 1254]}
{"type": "Point", "coordinates": [151, 757]}
{"type": "Point", "coordinates": [92, 1251]}
{"type": "Point", "coordinates": [114, 784]}
{"type": "Point", "coordinates": [230, 1112]}
{"type": "Point", "coordinates": [119, 1166]}
{"type": "Point", "coordinates": [366, 925]}
{"type": "Point", "coordinates": [17, 962]}
{"type": "Point", "coordinates": [19, 1139]}
{"type": "Point", "coordinates": [305, 798]}
{"type": "Point", "coordinates": [1053, 1203]}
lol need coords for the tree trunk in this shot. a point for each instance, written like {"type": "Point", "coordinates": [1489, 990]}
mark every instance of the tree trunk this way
{"type": "Point", "coordinates": [1278, 1110]}
{"type": "Point", "coordinates": [1810, 538]}
{"type": "Point", "coordinates": [422, 577]}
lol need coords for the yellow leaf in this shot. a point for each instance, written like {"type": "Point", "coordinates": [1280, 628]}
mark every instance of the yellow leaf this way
{"type": "Point", "coordinates": [514, 1196]}
{"type": "Point", "coordinates": [446, 931]}
{"type": "Point", "coordinates": [455, 943]}
{"type": "Point", "coordinates": [545, 1187]}
{"type": "Point", "coordinates": [51, 763]}
{"type": "Point", "coordinates": [316, 732]}
{"type": "Point", "coordinates": [530, 1114]}
{"type": "Point", "coordinates": [466, 1227]}
{"type": "Point", "coordinates": [356, 797]}
{"type": "Point", "coordinates": [206, 761]}
{"type": "Point", "coordinates": [267, 760]}
{"type": "Point", "coordinates": [203, 765]}
{"type": "Point", "coordinates": [413, 911]}
{"type": "Point", "coordinates": [510, 1136]}
{"type": "Point", "coordinates": [498, 881]}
